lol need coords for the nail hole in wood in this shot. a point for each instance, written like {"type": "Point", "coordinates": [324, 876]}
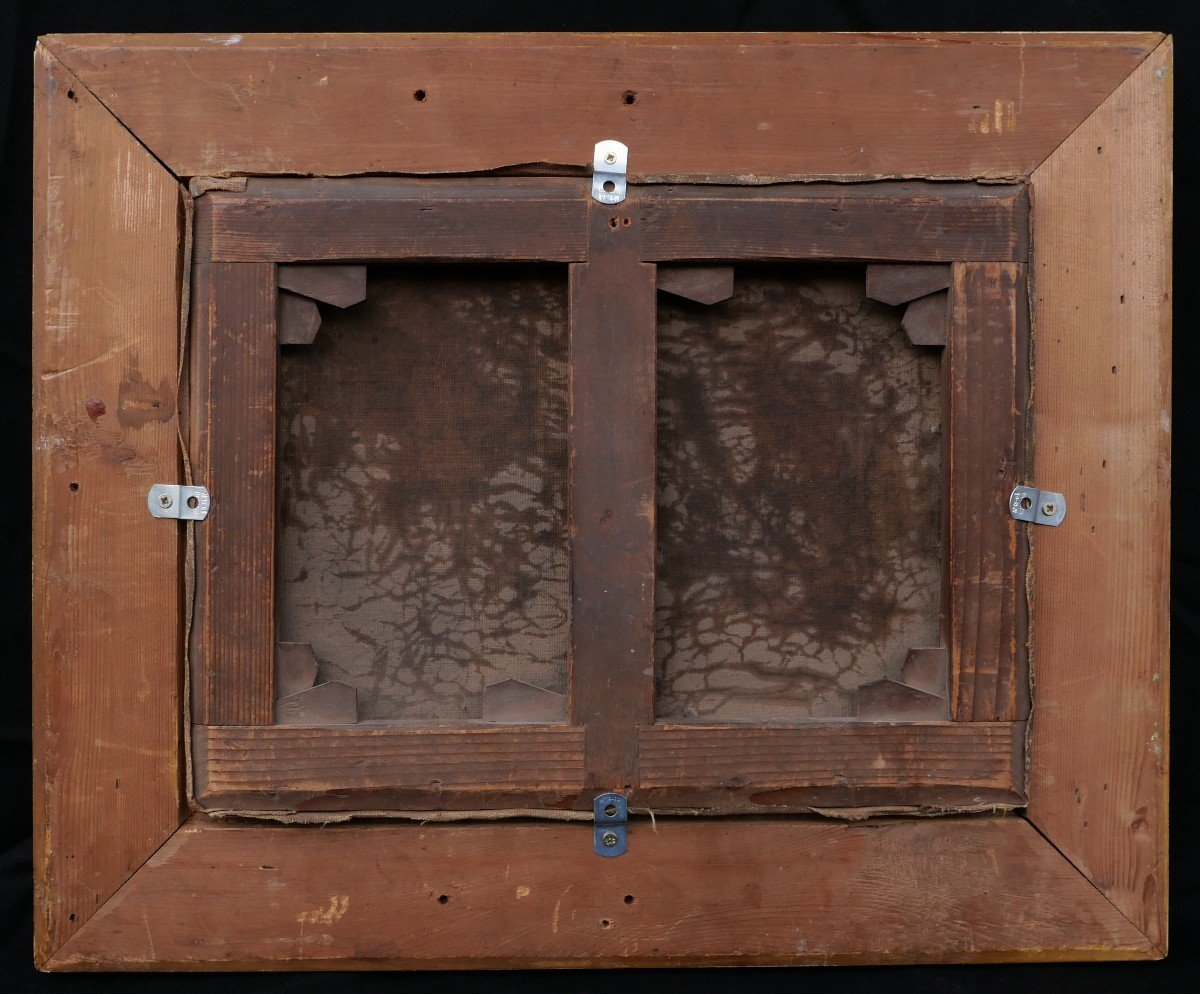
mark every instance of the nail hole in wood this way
{"type": "Point", "coordinates": [629, 97]}
{"type": "Point", "coordinates": [629, 899]}
{"type": "Point", "coordinates": [443, 899]}
{"type": "Point", "coordinates": [419, 96]}
{"type": "Point", "coordinates": [74, 487]}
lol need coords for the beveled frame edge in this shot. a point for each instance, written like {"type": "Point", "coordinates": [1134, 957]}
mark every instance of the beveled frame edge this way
{"type": "Point", "coordinates": [87, 943]}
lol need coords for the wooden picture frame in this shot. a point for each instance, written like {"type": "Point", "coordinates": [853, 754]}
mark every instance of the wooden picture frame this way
{"type": "Point", "coordinates": [131, 876]}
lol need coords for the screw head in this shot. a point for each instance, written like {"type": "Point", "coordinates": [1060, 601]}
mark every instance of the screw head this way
{"type": "Point", "coordinates": [1049, 508]}
{"type": "Point", "coordinates": [610, 157]}
{"type": "Point", "coordinates": [609, 839]}
{"type": "Point", "coordinates": [164, 500]}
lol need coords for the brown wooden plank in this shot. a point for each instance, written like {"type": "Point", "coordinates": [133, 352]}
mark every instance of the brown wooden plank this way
{"type": "Point", "coordinates": [830, 764]}
{"type": "Point", "coordinates": [233, 454]}
{"type": "Point", "coordinates": [898, 283]}
{"type": "Point", "coordinates": [703, 284]}
{"type": "Point", "coordinates": [751, 106]}
{"type": "Point", "coordinates": [108, 231]}
{"type": "Point", "coordinates": [688, 892]}
{"type": "Point", "coordinates": [921, 222]}
{"type": "Point", "coordinates": [1102, 326]}
{"type": "Point", "coordinates": [377, 767]}
{"type": "Point", "coordinates": [513, 219]}
{"type": "Point", "coordinates": [341, 286]}
{"type": "Point", "coordinates": [612, 301]}
{"type": "Point", "coordinates": [988, 368]}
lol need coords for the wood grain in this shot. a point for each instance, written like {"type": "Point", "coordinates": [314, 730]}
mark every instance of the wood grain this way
{"type": "Point", "coordinates": [1102, 330]}
{"type": "Point", "coordinates": [106, 613]}
{"type": "Point", "coordinates": [233, 454]}
{"type": "Point", "coordinates": [833, 762]}
{"type": "Point", "coordinates": [988, 366]}
{"type": "Point", "coordinates": [750, 106]}
{"type": "Point", "coordinates": [381, 766]}
{"type": "Point", "coordinates": [513, 219]}
{"type": "Point", "coordinates": [688, 892]}
{"type": "Point", "coordinates": [612, 430]}
{"type": "Point", "coordinates": [918, 222]}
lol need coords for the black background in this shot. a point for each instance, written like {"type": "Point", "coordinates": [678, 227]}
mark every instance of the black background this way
{"type": "Point", "coordinates": [22, 22]}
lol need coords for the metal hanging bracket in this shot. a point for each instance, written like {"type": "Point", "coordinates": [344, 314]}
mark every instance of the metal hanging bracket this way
{"type": "Point", "coordinates": [1042, 507]}
{"type": "Point", "coordinates": [609, 165]}
{"type": "Point", "coordinates": [170, 500]}
{"type": "Point", "coordinates": [609, 831]}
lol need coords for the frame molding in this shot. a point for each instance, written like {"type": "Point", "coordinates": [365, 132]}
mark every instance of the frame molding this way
{"type": "Point", "coordinates": [1083, 878]}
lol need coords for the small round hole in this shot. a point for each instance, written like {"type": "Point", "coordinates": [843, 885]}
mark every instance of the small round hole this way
{"type": "Point", "coordinates": [609, 186]}
{"type": "Point", "coordinates": [626, 222]}
{"type": "Point", "coordinates": [74, 488]}
{"type": "Point", "coordinates": [73, 916]}
{"type": "Point", "coordinates": [419, 96]}
{"type": "Point", "coordinates": [629, 899]}
{"type": "Point", "coordinates": [193, 502]}
{"type": "Point", "coordinates": [629, 98]}
{"type": "Point", "coordinates": [613, 222]}
{"type": "Point", "coordinates": [71, 96]}
{"type": "Point", "coordinates": [610, 810]}
{"type": "Point", "coordinates": [1026, 503]}
{"type": "Point", "coordinates": [605, 923]}
{"type": "Point", "coordinates": [443, 899]}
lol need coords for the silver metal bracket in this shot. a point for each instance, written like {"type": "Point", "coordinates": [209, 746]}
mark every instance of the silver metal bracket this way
{"type": "Point", "coordinates": [609, 166]}
{"type": "Point", "coordinates": [1042, 507]}
{"type": "Point", "coordinates": [170, 500]}
{"type": "Point", "coordinates": [612, 814]}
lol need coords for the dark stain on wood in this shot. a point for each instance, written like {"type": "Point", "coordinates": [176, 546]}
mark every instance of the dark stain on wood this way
{"type": "Point", "coordinates": [140, 402]}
